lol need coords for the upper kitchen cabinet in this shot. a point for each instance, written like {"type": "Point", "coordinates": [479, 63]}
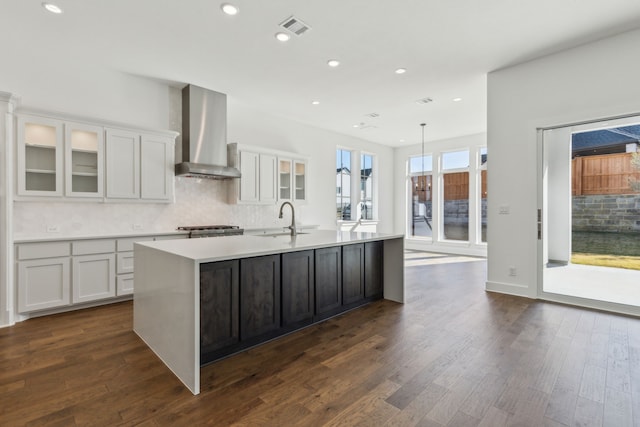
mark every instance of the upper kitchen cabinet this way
{"type": "Point", "coordinates": [139, 166]}
{"type": "Point", "coordinates": [123, 164]}
{"type": "Point", "coordinates": [292, 179]}
{"type": "Point", "coordinates": [258, 181]}
{"type": "Point", "coordinates": [84, 157]}
{"type": "Point", "coordinates": [40, 156]}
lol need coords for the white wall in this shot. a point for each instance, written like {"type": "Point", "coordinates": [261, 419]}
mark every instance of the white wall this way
{"type": "Point", "coordinates": [591, 82]}
{"type": "Point", "coordinates": [402, 212]}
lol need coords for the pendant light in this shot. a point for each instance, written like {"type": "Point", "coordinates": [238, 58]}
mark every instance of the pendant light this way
{"type": "Point", "coordinates": [424, 178]}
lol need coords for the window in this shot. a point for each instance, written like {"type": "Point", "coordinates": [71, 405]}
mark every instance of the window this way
{"type": "Point", "coordinates": [343, 184]}
{"type": "Point", "coordinates": [360, 204]}
{"type": "Point", "coordinates": [455, 183]}
{"type": "Point", "coordinates": [366, 186]}
{"type": "Point", "coordinates": [421, 195]}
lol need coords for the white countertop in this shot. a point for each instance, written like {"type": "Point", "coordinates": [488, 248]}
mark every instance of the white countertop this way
{"type": "Point", "coordinates": [234, 247]}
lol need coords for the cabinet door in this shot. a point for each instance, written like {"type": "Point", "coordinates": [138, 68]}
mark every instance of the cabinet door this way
{"type": "Point", "coordinates": [94, 277]}
{"type": "Point", "coordinates": [249, 184]}
{"type": "Point", "coordinates": [268, 165]}
{"type": "Point", "coordinates": [297, 288]}
{"type": "Point", "coordinates": [259, 297]}
{"type": "Point", "coordinates": [123, 164]}
{"type": "Point", "coordinates": [284, 179]}
{"type": "Point", "coordinates": [373, 269]}
{"type": "Point", "coordinates": [84, 158]}
{"type": "Point", "coordinates": [43, 283]}
{"type": "Point", "coordinates": [156, 168]}
{"type": "Point", "coordinates": [328, 275]}
{"type": "Point", "coordinates": [352, 274]}
{"type": "Point", "coordinates": [40, 156]}
{"type": "Point", "coordinates": [300, 180]}
{"type": "Point", "coordinates": [219, 306]}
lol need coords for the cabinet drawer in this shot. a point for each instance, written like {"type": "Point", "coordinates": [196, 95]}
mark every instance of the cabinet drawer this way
{"type": "Point", "coordinates": [124, 284]}
{"type": "Point", "coordinates": [43, 250]}
{"type": "Point", "coordinates": [127, 244]}
{"type": "Point", "coordinates": [124, 262]}
{"type": "Point", "coordinates": [88, 247]}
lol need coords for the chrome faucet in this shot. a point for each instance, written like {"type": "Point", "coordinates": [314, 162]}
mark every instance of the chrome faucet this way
{"type": "Point", "coordinates": [292, 227]}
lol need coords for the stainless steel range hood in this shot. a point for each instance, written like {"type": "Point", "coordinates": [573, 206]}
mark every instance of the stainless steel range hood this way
{"type": "Point", "coordinates": [204, 135]}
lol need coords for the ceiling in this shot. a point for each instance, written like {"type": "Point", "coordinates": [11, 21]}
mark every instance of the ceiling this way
{"type": "Point", "coordinates": [447, 47]}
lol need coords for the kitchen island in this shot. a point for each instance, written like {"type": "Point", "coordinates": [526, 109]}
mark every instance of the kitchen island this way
{"type": "Point", "coordinates": [197, 300]}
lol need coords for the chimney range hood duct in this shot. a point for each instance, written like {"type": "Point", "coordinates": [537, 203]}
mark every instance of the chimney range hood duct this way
{"type": "Point", "coordinates": [204, 135]}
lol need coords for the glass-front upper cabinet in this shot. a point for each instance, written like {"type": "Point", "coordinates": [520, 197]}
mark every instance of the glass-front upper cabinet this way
{"type": "Point", "coordinates": [300, 179]}
{"type": "Point", "coordinates": [84, 148]}
{"type": "Point", "coordinates": [40, 156]}
{"type": "Point", "coordinates": [284, 179]}
{"type": "Point", "coordinates": [292, 179]}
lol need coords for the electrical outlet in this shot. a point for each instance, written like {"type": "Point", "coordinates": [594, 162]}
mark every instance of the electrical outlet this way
{"type": "Point", "coordinates": [504, 210]}
{"type": "Point", "coordinates": [137, 226]}
{"type": "Point", "coordinates": [53, 229]}
{"type": "Point", "coordinates": [512, 271]}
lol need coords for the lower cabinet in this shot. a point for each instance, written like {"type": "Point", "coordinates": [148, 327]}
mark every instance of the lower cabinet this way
{"type": "Point", "coordinates": [297, 288]}
{"type": "Point", "coordinates": [373, 270]}
{"type": "Point", "coordinates": [352, 275]}
{"type": "Point", "coordinates": [61, 273]}
{"type": "Point", "coordinates": [259, 297]}
{"type": "Point", "coordinates": [328, 284]}
{"type": "Point", "coordinates": [43, 283]}
{"type": "Point", "coordinates": [219, 307]}
{"type": "Point", "coordinates": [94, 277]}
{"type": "Point", "coordinates": [252, 300]}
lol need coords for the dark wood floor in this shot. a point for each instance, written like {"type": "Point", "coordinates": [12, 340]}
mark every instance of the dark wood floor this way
{"type": "Point", "coordinates": [453, 355]}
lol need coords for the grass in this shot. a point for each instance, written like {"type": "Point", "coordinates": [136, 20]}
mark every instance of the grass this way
{"type": "Point", "coordinates": [617, 261]}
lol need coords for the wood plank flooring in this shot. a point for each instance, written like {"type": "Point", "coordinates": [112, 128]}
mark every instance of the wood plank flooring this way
{"type": "Point", "coordinates": [454, 355]}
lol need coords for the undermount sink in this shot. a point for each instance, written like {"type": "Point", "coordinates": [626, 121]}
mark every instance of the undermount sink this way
{"type": "Point", "coordinates": [281, 233]}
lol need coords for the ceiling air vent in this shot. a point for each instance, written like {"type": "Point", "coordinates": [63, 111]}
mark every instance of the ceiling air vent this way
{"type": "Point", "coordinates": [424, 101]}
{"type": "Point", "coordinates": [295, 26]}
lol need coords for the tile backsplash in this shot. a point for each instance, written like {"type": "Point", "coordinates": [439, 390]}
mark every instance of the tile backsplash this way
{"type": "Point", "coordinates": [197, 202]}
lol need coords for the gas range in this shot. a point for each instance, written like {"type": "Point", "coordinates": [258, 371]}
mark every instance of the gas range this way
{"type": "Point", "coordinates": [212, 230]}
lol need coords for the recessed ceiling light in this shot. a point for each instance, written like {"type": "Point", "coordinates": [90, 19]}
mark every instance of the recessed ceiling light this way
{"type": "Point", "coordinates": [401, 70]}
{"type": "Point", "coordinates": [283, 37]}
{"type": "Point", "coordinates": [356, 126]}
{"type": "Point", "coordinates": [52, 8]}
{"type": "Point", "coordinates": [457, 99]}
{"type": "Point", "coordinates": [229, 9]}
{"type": "Point", "coordinates": [315, 102]}
{"type": "Point", "coordinates": [333, 63]}
{"type": "Point", "coordinates": [402, 140]}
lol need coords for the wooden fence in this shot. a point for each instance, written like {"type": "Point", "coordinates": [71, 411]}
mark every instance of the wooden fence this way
{"type": "Point", "coordinates": [456, 186]}
{"type": "Point", "coordinates": [603, 174]}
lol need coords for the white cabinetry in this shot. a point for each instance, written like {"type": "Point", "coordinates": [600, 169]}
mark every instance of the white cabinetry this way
{"type": "Point", "coordinates": [123, 164]}
{"type": "Point", "coordinates": [267, 176]}
{"type": "Point", "coordinates": [58, 274]}
{"type": "Point", "coordinates": [139, 166]}
{"type": "Point", "coordinates": [94, 270]}
{"type": "Point", "coordinates": [40, 156]}
{"type": "Point", "coordinates": [157, 167]}
{"type": "Point", "coordinates": [62, 158]}
{"type": "Point", "coordinates": [43, 276]}
{"type": "Point", "coordinates": [292, 179]}
{"type": "Point", "coordinates": [59, 158]}
{"type": "Point", "coordinates": [84, 160]}
{"type": "Point", "coordinates": [258, 181]}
